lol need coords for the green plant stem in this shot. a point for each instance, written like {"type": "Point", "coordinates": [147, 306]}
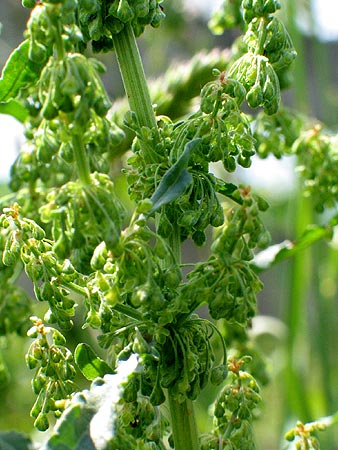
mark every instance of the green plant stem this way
{"type": "Point", "coordinates": [183, 420]}
{"type": "Point", "coordinates": [134, 80]}
{"type": "Point", "coordinates": [183, 424]}
{"type": "Point", "coordinates": [81, 160]}
{"type": "Point", "coordinates": [296, 318]}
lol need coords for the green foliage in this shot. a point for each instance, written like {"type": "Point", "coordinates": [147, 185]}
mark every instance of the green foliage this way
{"type": "Point", "coordinates": [12, 441]}
{"type": "Point", "coordinates": [100, 267]}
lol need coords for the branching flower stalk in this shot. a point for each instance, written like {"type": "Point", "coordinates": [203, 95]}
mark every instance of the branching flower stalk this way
{"type": "Point", "coordinates": [75, 243]}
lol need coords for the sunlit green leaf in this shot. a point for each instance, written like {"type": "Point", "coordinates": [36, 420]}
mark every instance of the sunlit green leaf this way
{"type": "Point", "coordinates": [286, 249]}
{"type": "Point", "coordinates": [90, 365]}
{"type": "Point", "coordinates": [89, 422]}
{"type": "Point", "coordinates": [18, 73]}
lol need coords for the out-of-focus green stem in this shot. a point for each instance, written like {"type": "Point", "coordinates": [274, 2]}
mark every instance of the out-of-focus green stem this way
{"type": "Point", "coordinates": [300, 84]}
{"type": "Point", "coordinates": [296, 318]}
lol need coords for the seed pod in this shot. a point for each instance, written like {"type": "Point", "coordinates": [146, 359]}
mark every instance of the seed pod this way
{"type": "Point", "coordinates": [271, 6]}
{"type": "Point", "coordinates": [31, 361]}
{"type": "Point", "coordinates": [102, 105]}
{"type": "Point", "coordinates": [58, 338]}
{"type": "Point", "coordinates": [229, 164]}
{"type": "Point", "coordinates": [37, 52]}
{"type": "Point", "coordinates": [157, 396]}
{"type": "Point", "coordinates": [28, 3]}
{"type": "Point", "coordinates": [172, 277]}
{"type": "Point", "coordinates": [93, 319]}
{"type": "Point", "coordinates": [41, 422]}
{"type": "Point", "coordinates": [218, 374]}
{"type": "Point", "coordinates": [49, 111]}
{"type": "Point", "coordinates": [255, 96]}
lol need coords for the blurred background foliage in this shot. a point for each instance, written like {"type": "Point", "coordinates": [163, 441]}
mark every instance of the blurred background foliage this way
{"type": "Point", "coordinates": [297, 324]}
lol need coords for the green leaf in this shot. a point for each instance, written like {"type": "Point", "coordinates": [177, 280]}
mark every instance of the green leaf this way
{"type": "Point", "coordinates": [227, 189]}
{"type": "Point", "coordinates": [176, 180]}
{"type": "Point", "coordinates": [15, 109]}
{"type": "Point", "coordinates": [89, 421]}
{"type": "Point", "coordinates": [18, 73]}
{"type": "Point", "coordinates": [90, 365]}
{"type": "Point", "coordinates": [286, 249]}
{"type": "Point", "coordinates": [13, 440]}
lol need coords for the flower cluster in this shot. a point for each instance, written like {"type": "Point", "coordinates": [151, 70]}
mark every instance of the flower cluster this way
{"type": "Point", "coordinates": [234, 411]}
{"type": "Point", "coordinates": [100, 20]}
{"type": "Point", "coordinates": [55, 372]}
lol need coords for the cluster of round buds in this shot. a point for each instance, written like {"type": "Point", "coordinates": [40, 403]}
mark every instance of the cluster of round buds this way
{"type": "Point", "coordinates": [226, 281]}
{"type": "Point", "coordinates": [101, 19]}
{"type": "Point", "coordinates": [259, 8]}
{"type": "Point", "coordinates": [276, 134]}
{"type": "Point", "coordinates": [226, 134]}
{"type": "Point", "coordinates": [317, 154]}
{"type": "Point", "coordinates": [44, 27]}
{"type": "Point", "coordinates": [72, 85]}
{"type": "Point", "coordinates": [53, 381]}
{"type": "Point", "coordinates": [26, 241]}
{"type": "Point", "coordinates": [73, 206]}
{"type": "Point", "coordinates": [260, 80]}
{"type": "Point", "coordinates": [305, 434]}
{"type": "Point", "coordinates": [235, 407]}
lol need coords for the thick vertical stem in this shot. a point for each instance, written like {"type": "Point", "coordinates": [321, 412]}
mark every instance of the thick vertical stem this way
{"type": "Point", "coordinates": [183, 424]}
{"type": "Point", "coordinates": [81, 159]}
{"type": "Point", "coordinates": [183, 421]}
{"type": "Point", "coordinates": [296, 319]}
{"type": "Point", "coordinates": [132, 72]}
{"type": "Point", "coordinates": [130, 64]}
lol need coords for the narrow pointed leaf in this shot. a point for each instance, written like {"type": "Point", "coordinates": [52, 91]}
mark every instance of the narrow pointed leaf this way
{"type": "Point", "coordinates": [89, 363]}
{"type": "Point", "coordinates": [176, 180]}
{"type": "Point", "coordinates": [286, 249]}
{"type": "Point", "coordinates": [18, 73]}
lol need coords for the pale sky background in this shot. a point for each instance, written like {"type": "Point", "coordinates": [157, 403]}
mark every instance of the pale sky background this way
{"type": "Point", "coordinates": [326, 27]}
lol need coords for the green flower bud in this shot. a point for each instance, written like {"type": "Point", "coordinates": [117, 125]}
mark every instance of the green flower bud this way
{"type": "Point", "coordinates": [36, 408]}
{"type": "Point", "coordinates": [157, 396]}
{"type": "Point", "coordinates": [172, 277]}
{"type": "Point", "coordinates": [41, 422]}
{"type": "Point", "coordinates": [229, 164]}
{"type": "Point", "coordinates": [219, 411]}
{"type": "Point", "coordinates": [28, 3]}
{"type": "Point", "coordinates": [58, 338]}
{"type": "Point", "coordinates": [271, 6]}
{"type": "Point", "coordinates": [49, 111]}
{"type": "Point", "coordinates": [93, 319]}
{"type": "Point", "coordinates": [255, 96]}
{"type": "Point", "coordinates": [218, 374]}
{"type": "Point", "coordinates": [122, 11]}
{"type": "Point", "coordinates": [37, 52]}
{"type": "Point", "coordinates": [31, 361]}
